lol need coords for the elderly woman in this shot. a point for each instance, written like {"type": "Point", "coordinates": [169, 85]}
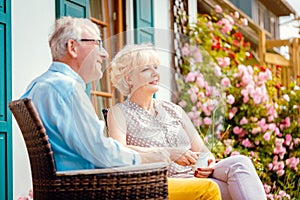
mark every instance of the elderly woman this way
{"type": "Point", "coordinates": [144, 121]}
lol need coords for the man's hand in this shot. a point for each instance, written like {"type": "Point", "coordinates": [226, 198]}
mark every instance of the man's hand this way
{"type": "Point", "coordinates": [183, 157]}
{"type": "Point", "coordinates": [155, 156]}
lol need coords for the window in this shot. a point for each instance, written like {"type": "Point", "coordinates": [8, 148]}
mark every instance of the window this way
{"type": "Point", "coordinates": [108, 15]}
{"type": "Point", "coordinates": [267, 20]}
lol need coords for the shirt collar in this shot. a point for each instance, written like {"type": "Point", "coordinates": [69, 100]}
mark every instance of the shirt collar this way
{"type": "Point", "coordinates": [67, 70]}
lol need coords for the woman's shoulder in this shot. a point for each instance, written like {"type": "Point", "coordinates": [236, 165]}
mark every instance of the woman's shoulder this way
{"type": "Point", "coordinates": [169, 105]}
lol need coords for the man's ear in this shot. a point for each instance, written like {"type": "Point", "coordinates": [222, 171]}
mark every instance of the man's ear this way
{"type": "Point", "coordinates": [72, 48]}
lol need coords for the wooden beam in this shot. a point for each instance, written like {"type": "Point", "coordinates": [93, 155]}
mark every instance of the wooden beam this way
{"type": "Point", "coordinates": [276, 59]}
{"type": "Point", "coordinates": [101, 94]}
{"type": "Point", "coordinates": [261, 47]}
{"type": "Point", "coordinates": [277, 43]}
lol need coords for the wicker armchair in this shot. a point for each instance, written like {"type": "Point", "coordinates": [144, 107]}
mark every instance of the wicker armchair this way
{"type": "Point", "coordinates": [148, 181]}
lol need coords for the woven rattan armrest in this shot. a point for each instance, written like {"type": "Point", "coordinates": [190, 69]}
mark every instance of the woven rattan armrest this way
{"type": "Point", "coordinates": [133, 168]}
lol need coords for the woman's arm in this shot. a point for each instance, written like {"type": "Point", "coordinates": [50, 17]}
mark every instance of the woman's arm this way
{"type": "Point", "coordinates": [197, 143]}
{"type": "Point", "coordinates": [116, 124]}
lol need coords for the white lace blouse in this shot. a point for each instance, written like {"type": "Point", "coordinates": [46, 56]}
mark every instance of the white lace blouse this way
{"type": "Point", "coordinates": [165, 129]}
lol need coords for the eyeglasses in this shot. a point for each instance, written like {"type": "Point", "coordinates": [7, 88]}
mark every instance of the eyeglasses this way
{"type": "Point", "coordinates": [93, 40]}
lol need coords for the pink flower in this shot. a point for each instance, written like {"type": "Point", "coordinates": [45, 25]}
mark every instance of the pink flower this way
{"type": "Point", "coordinates": [200, 81]}
{"type": "Point", "coordinates": [246, 143]}
{"type": "Point", "coordinates": [196, 54]}
{"type": "Point", "coordinates": [182, 103]}
{"type": "Point", "coordinates": [228, 150]}
{"type": "Point", "coordinates": [256, 130]}
{"type": "Point", "coordinates": [190, 77]}
{"type": "Point", "coordinates": [30, 194]}
{"type": "Point", "coordinates": [270, 196]}
{"type": "Point", "coordinates": [218, 9]}
{"type": "Point", "coordinates": [272, 127]}
{"type": "Point", "coordinates": [237, 130]}
{"type": "Point", "coordinates": [205, 110]}
{"type": "Point", "coordinates": [185, 51]}
{"type": "Point", "coordinates": [207, 121]}
{"type": "Point", "coordinates": [252, 153]}
{"type": "Point", "coordinates": [218, 71]}
{"type": "Point", "coordinates": [22, 198]}
{"type": "Point", "coordinates": [227, 28]}
{"type": "Point", "coordinates": [236, 14]}
{"type": "Point", "coordinates": [244, 21]}
{"type": "Point", "coordinates": [232, 112]}
{"type": "Point", "coordinates": [230, 19]}
{"type": "Point", "coordinates": [234, 153]}
{"type": "Point", "coordinates": [267, 188]}
{"type": "Point", "coordinates": [279, 149]}
{"type": "Point", "coordinates": [223, 62]}
{"type": "Point", "coordinates": [270, 166]}
{"type": "Point", "coordinates": [288, 139]}
{"type": "Point", "coordinates": [292, 163]}
{"type": "Point", "coordinates": [193, 97]}
{"type": "Point", "coordinates": [280, 172]}
{"type": "Point", "coordinates": [246, 79]}
{"type": "Point", "coordinates": [264, 76]}
{"type": "Point", "coordinates": [225, 82]}
{"type": "Point", "coordinates": [285, 123]}
{"type": "Point", "coordinates": [246, 99]}
{"type": "Point", "coordinates": [230, 99]}
{"type": "Point", "coordinates": [243, 121]}
{"type": "Point", "coordinates": [267, 136]}
{"type": "Point", "coordinates": [197, 122]}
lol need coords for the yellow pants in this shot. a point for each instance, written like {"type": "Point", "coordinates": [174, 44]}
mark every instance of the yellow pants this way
{"type": "Point", "coordinates": [193, 188]}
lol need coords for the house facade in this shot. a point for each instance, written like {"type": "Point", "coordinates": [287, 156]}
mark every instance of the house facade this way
{"type": "Point", "coordinates": [25, 54]}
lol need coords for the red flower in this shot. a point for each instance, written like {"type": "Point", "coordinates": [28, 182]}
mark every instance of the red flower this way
{"type": "Point", "coordinates": [238, 35]}
{"type": "Point", "coordinates": [231, 55]}
{"type": "Point", "coordinates": [278, 86]}
{"type": "Point", "coordinates": [216, 43]}
{"type": "Point", "coordinates": [236, 43]}
{"type": "Point", "coordinates": [278, 67]}
{"type": "Point", "coordinates": [262, 68]}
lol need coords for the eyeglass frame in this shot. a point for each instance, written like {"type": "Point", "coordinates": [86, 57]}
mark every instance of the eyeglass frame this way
{"type": "Point", "coordinates": [100, 43]}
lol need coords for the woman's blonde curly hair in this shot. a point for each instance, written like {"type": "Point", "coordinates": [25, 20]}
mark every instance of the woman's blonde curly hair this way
{"type": "Point", "coordinates": [128, 58]}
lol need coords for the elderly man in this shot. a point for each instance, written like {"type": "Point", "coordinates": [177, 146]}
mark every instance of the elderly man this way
{"type": "Point", "coordinates": [74, 130]}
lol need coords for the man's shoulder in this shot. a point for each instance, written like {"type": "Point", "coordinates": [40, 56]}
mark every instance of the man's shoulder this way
{"type": "Point", "coordinates": [57, 82]}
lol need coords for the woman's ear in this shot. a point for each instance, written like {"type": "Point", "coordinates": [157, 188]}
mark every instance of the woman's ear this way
{"type": "Point", "coordinates": [72, 48]}
{"type": "Point", "coordinates": [128, 80]}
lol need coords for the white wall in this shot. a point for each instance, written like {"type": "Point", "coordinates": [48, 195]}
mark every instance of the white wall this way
{"type": "Point", "coordinates": [31, 24]}
{"type": "Point", "coordinates": [162, 41]}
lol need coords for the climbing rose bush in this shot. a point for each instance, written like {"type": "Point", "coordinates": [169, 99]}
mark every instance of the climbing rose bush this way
{"type": "Point", "coordinates": [237, 105]}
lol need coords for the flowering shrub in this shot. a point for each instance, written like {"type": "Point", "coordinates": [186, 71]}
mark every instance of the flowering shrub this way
{"type": "Point", "coordinates": [28, 197]}
{"type": "Point", "coordinates": [238, 108]}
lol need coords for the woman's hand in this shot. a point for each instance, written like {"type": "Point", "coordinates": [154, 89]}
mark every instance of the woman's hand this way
{"type": "Point", "coordinates": [205, 172]}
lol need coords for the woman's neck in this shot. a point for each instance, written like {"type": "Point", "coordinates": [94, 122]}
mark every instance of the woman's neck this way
{"type": "Point", "coordinates": [145, 102]}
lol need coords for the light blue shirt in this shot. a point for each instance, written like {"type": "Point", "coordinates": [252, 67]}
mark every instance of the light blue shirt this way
{"type": "Point", "coordinates": [73, 127]}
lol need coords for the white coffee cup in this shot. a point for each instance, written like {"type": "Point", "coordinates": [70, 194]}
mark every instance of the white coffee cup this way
{"type": "Point", "coordinates": [202, 160]}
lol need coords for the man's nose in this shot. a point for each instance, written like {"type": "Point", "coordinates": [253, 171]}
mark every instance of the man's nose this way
{"type": "Point", "coordinates": [103, 53]}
